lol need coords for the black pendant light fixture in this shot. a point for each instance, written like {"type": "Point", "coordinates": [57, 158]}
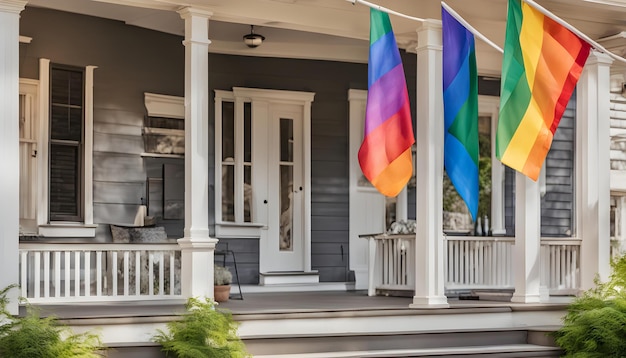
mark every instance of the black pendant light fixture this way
{"type": "Point", "coordinates": [253, 40]}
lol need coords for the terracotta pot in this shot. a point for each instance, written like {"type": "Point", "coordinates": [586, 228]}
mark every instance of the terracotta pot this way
{"type": "Point", "coordinates": [221, 293]}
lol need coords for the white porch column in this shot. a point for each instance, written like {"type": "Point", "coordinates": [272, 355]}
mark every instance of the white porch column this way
{"type": "Point", "coordinates": [197, 247]}
{"type": "Point", "coordinates": [526, 253]}
{"type": "Point", "coordinates": [9, 146]}
{"type": "Point", "coordinates": [593, 168]}
{"type": "Point", "coordinates": [429, 245]}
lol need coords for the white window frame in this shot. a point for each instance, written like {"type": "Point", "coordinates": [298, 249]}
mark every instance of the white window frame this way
{"type": "Point", "coordinates": [85, 228]}
{"type": "Point", "coordinates": [490, 106]}
{"type": "Point", "coordinates": [239, 227]}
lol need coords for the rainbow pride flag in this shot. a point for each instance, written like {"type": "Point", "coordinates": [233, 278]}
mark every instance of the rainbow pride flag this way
{"type": "Point", "coordinates": [385, 154]}
{"type": "Point", "coordinates": [542, 63]}
{"type": "Point", "coordinates": [460, 110]}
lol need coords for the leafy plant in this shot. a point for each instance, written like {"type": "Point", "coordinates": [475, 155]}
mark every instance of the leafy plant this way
{"type": "Point", "coordinates": [203, 331]}
{"type": "Point", "coordinates": [595, 325]}
{"type": "Point", "coordinates": [32, 336]}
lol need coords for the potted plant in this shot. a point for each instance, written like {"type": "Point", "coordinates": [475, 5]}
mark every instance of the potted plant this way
{"type": "Point", "coordinates": [203, 331]}
{"type": "Point", "coordinates": [222, 279]}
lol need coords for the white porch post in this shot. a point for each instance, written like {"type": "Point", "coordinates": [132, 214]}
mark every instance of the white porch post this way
{"type": "Point", "coordinates": [593, 168]}
{"type": "Point", "coordinates": [429, 245]}
{"type": "Point", "coordinates": [9, 146]}
{"type": "Point", "coordinates": [527, 261]}
{"type": "Point", "coordinates": [197, 247]}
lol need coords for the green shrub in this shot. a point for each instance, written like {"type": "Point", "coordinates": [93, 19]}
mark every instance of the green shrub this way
{"type": "Point", "coordinates": [203, 331]}
{"type": "Point", "coordinates": [34, 337]}
{"type": "Point", "coordinates": [595, 325]}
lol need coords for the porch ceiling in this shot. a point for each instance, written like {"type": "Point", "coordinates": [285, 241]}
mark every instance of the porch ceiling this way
{"type": "Point", "coordinates": [335, 29]}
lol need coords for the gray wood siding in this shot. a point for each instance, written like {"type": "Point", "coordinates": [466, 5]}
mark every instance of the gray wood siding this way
{"type": "Point", "coordinates": [246, 253]}
{"type": "Point", "coordinates": [131, 61]}
{"type": "Point", "coordinates": [126, 68]}
{"type": "Point", "coordinates": [557, 205]}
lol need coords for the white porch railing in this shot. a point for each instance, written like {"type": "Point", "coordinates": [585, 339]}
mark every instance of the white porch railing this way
{"type": "Point", "coordinates": [99, 272]}
{"type": "Point", "coordinates": [560, 266]}
{"type": "Point", "coordinates": [471, 263]}
{"type": "Point", "coordinates": [392, 263]}
{"type": "Point", "coordinates": [478, 262]}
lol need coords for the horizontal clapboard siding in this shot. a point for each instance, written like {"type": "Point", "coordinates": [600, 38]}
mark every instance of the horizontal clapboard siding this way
{"type": "Point", "coordinates": [246, 253]}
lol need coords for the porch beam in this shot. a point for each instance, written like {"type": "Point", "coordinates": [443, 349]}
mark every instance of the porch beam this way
{"type": "Point", "coordinates": [9, 146]}
{"type": "Point", "coordinates": [196, 245]}
{"type": "Point", "coordinates": [593, 168]}
{"type": "Point", "coordinates": [429, 244]}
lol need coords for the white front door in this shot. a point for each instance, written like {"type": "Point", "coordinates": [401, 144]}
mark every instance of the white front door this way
{"type": "Point", "coordinates": [285, 234]}
{"type": "Point", "coordinates": [263, 180]}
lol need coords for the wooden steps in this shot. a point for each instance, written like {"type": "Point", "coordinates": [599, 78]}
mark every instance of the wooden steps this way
{"type": "Point", "coordinates": [503, 343]}
{"type": "Point", "coordinates": [335, 324]}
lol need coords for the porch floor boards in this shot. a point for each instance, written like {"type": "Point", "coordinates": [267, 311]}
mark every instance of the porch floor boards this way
{"type": "Point", "coordinates": [285, 303]}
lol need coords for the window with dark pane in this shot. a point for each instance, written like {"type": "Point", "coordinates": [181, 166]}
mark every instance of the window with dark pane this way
{"type": "Point", "coordinates": [66, 143]}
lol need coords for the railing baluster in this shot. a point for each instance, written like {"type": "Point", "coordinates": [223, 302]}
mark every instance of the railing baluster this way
{"type": "Point", "coordinates": [77, 273]}
{"type": "Point", "coordinates": [57, 274]}
{"type": "Point", "coordinates": [126, 271]}
{"type": "Point", "coordinates": [172, 269]}
{"type": "Point", "coordinates": [68, 270]}
{"type": "Point", "coordinates": [46, 274]}
{"type": "Point", "coordinates": [114, 273]}
{"type": "Point", "coordinates": [137, 273]}
{"type": "Point", "coordinates": [150, 273]}
{"type": "Point", "coordinates": [87, 283]}
{"type": "Point", "coordinates": [161, 274]}
{"type": "Point", "coordinates": [99, 273]}
{"type": "Point", "coordinates": [37, 276]}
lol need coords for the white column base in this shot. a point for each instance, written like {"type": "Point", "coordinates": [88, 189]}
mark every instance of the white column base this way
{"type": "Point", "coordinates": [520, 298]}
{"type": "Point", "coordinates": [197, 266]}
{"type": "Point", "coordinates": [430, 302]}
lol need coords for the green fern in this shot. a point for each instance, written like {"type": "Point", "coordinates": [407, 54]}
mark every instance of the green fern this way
{"type": "Point", "coordinates": [32, 336]}
{"type": "Point", "coordinates": [203, 331]}
{"type": "Point", "coordinates": [595, 325]}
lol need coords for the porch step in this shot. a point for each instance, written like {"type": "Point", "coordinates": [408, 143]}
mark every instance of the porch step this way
{"type": "Point", "coordinates": [288, 277]}
{"type": "Point", "coordinates": [134, 350]}
{"type": "Point", "coordinates": [503, 343]}
{"type": "Point", "coordinates": [504, 351]}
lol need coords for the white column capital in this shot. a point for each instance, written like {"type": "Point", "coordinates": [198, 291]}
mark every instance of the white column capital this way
{"type": "Point", "coordinates": [196, 26]}
{"type": "Point", "coordinates": [429, 35]}
{"type": "Point", "coordinates": [598, 58]}
{"type": "Point", "coordinates": [188, 12]}
{"type": "Point", "coordinates": [12, 6]}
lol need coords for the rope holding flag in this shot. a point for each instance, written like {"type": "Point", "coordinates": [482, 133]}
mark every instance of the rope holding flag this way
{"type": "Point", "coordinates": [460, 107]}
{"type": "Point", "coordinates": [385, 154]}
{"type": "Point", "coordinates": [541, 66]}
